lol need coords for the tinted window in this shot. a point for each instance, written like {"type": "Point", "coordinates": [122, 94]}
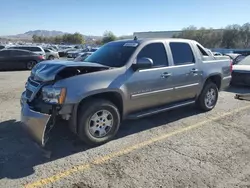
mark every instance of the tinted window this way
{"type": "Point", "coordinates": [182, 53]}
{"type": "Point", "coordinates": [46, 50]}
{"type": "Point", "coordinates": [114, 54]}
{"type": "Point", "coordinates": [245, 61]}
{"type": "Point", "coordinates": [30, 48]}
{"type": "Point", "coordinates": [2, 47]}
{"type": "Point", "coordinates": [16, 53]}
{"type": "Point", "coordinates": [156, 52]}
{"type": "Point", "coordinates": [202, 51]}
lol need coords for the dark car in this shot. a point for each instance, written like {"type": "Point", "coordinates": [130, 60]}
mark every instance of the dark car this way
{"type": "Point", "coordinates": [18, 59]}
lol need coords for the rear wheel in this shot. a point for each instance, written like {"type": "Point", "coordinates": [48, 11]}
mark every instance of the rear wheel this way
{"type": "Point", "coordinates": [208, 97]}
{"type": "Point", "coordinates": [51, 57]}
{"type": "Point", "coordinates": [98, 122]}
{"type": "Point", "coordinates": [30, 65]}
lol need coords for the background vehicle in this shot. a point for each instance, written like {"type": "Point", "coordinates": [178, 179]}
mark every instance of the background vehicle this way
{"type": "Point", "coordinates": [125, 79]}
{"type": "Point", "coordinates": [83, 56]}
{"type": "Point", "coordinates": [18, 59]}
{"type": "Point", "coordinates": [2, 47]}
{"type": "Point", "coordinates": [35, 49]}
{"type": "Point", "coordinates": [241, 72]}
{"type": "Point", "coordinates": [235, 57]}
{"type": "Point", "coordinates": [63, 52]}
{"type": "Point", "coordinates": [74, 54]}
{"type": "Point", "coordinates": [50, 54]}
{"type": "Point", "coordinates": [217, 54]}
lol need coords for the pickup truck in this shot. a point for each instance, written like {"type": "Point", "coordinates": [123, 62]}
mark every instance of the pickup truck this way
{"type": "Point", "coordinates": [124, 79]}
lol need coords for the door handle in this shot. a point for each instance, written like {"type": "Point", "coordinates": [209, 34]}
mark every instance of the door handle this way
{"type": "Point", "coordinates": [194, 70]}
{"type": "Point", "coordinates": [165, 75]}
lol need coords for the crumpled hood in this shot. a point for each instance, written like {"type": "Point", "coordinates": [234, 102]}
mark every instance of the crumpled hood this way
{"type": "Point", "coordinates": [47, 70]}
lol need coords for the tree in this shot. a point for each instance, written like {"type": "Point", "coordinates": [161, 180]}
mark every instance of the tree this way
{"type": "Point", "coordinates": [231, 36]}
{"type": "Point", "coordinates": [35, 38]}
{"type": "Point", "coordinates": [108, 36]}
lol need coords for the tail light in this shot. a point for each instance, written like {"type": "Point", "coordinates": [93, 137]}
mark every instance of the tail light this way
{"type": "Point", "coordinates": [231, 65]}
{"type": "Point", "coordinates": [41, 57]}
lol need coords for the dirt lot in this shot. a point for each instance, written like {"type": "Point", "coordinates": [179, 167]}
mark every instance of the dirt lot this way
{"type": "Point", "coordinates": [181, 148]}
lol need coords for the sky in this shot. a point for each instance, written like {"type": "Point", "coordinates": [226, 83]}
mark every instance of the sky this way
{"type": "Point", "coordinates": [123, 17]}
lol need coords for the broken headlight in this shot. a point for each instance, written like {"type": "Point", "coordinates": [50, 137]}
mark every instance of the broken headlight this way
{"type": "Point", "coordinates": [53, 95]}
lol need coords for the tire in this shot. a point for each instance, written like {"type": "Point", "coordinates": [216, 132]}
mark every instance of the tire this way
{"type": "Point", "coordinates": [86, 124]}
{"type": "Point", "coordinates": [51, 57]}
{"type": "Point", "coordinates": [30, 65]}
{"type": "Point", "coordinates": [203, 102]}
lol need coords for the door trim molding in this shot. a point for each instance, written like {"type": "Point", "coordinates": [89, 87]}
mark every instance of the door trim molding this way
{"type": "Point", "coordinates": [185, 86]}
{"type": "Point", "coordinates": [150, 92]}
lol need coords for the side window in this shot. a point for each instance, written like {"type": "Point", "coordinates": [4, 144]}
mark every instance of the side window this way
{"type": "Point", "coordinates": [202, 51]}
{"type": "Point", "coordinates": [46, 50]}
{"type": "Point", "coordinates": [156, 52]}
{"type": "Point", "coordinates": [17, 53]}
{"type": "Point", "coordinates": [182, 53]}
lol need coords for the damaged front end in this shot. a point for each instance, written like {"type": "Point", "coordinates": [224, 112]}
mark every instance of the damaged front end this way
{"type": "Point", "coordinates": [42, 103]}
{"type": "Point", "coordinates": [37, 117]}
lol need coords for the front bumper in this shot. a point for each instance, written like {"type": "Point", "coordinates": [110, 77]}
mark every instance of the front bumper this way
{"type": "Point", "coordinates": [37, 124]}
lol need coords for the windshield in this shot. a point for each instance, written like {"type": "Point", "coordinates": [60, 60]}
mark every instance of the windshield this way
{"type": "Point", "coordinates": [245, 61]}
{"type": "Point", "coordinates": [115, 54]}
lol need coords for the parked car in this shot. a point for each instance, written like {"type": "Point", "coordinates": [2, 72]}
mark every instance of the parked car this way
{"type": "Point", "coordinates": [2, 47]}
{"type": "Point", "coordinates": [51, 55]}
{"type": "Point", "coordinates": [35, 49]}
{"type": "Point", "coordinates": [125, 79]}
{"type": "Point", "coordinates": [63, 52]}
{"type": "Point", "coordinates": [18, 59]}
{"type": "Point", "coordinates": [83, 56]}
{"type": "Point", "coordinates": [241, 72]}
{"type": "Point", "coordinates": [75, 53]}
{"type": "Point", "coordinates": [217, 54]}
{"type": "Point", "coordinates": [236, 58]}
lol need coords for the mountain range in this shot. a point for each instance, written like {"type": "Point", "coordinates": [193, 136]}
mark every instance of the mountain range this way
{"type": "Point", "coordinates": [45, 33]}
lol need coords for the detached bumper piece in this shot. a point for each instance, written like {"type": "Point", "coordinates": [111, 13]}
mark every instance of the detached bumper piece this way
{"type": "Point", "coordinates": [37, 124]}
{"type": "Point", "coordinates": [243, 96]}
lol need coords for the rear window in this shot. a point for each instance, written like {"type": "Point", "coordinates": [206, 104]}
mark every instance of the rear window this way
{"type": "Point", "coordinates": [182, 53]}
{"type": "Point", "coordinates": [30, 48]}
{"type": "Point", "coordinates": [245, 61]}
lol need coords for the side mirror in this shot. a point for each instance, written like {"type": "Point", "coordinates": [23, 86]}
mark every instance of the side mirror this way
{"type": "Point", "coordinates": [143, 63]}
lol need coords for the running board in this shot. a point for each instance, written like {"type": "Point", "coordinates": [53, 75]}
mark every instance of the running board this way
{"type": "Point", "coordinates": [158, 110]}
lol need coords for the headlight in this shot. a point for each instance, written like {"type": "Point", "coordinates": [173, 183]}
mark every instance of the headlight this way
{"type": "Point", "coordinates": [54, 95]}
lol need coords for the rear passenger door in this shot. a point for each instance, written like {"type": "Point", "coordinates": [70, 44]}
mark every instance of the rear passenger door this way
{"type": "Point", "coordinates": [185, 71]}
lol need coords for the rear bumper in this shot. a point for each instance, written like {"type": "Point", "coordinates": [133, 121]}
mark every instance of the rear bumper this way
{"type": "Point", "coordinates": [35, 123]}
{"type": "Point", "coordinates": [225, 82]}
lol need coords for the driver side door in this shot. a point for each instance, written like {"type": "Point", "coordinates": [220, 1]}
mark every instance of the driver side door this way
{"type": "Point", "coordinates": [151, 87]}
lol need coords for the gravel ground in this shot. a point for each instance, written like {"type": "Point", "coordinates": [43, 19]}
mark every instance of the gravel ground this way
{"type": "Point", "coordinates": [214, 154]}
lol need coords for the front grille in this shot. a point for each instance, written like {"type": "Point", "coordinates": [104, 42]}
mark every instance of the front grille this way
{"type": "Point", "coordinates": [33, 83]}
{"type": "Point", "coordinates": [32, 88]}
{"type": "Point", "coordinates": [28, 93]}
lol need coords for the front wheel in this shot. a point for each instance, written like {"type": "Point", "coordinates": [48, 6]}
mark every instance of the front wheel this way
{"type": "Point", "coordinates": [51, 57]}
{"type": "Point", "coordinates": [30, 65]}
{"type": "Point", "coordinates": [98, 122]}
{"type": "Point", "coordinates": [208, 97]}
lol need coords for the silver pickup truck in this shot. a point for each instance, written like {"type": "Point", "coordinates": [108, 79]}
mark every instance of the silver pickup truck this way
{"type": "Point", "coordinates": [124, 79]}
